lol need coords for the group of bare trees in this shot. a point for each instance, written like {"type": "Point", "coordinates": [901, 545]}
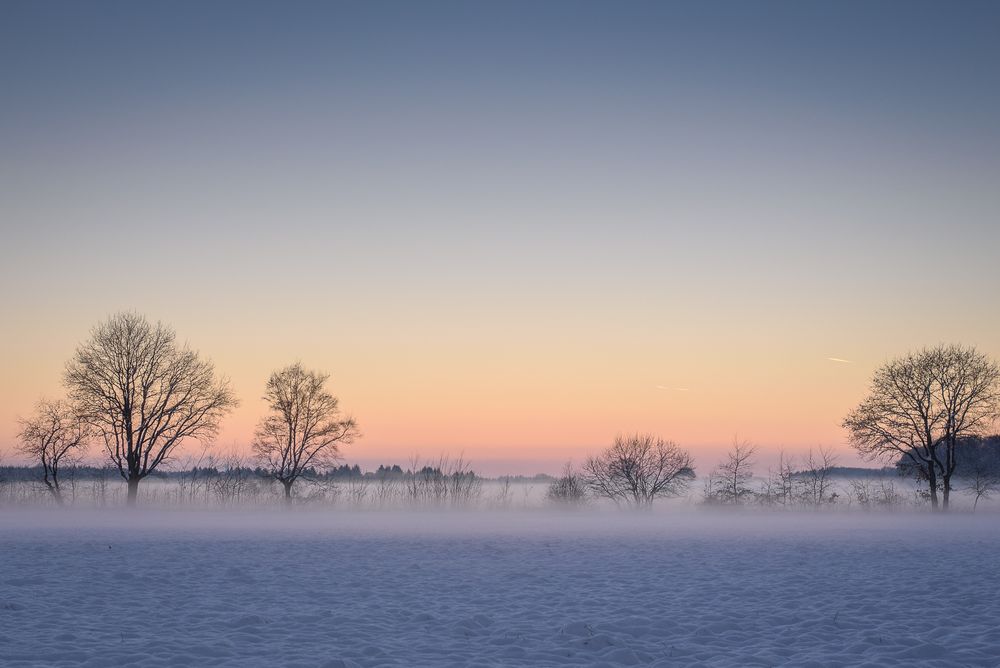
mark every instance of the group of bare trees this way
{"type": "Point", "coordinates": [633, 472]}
{"type": "Point", "coordinates": [808, 483]}
{"type": "Point", "coordinates": [140, 394]}
{"type": "Point", "coordinates": [638, 469]}
{"type": "Point", "coordinates": [444, 482]}
{"type": "Point", "coordinates": [921, 406]}
{"type": "Point", "coordinates": [919, 410]}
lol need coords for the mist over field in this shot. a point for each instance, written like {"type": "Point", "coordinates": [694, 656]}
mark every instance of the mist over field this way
{"type": "Point", "coordinates": [865, 491]}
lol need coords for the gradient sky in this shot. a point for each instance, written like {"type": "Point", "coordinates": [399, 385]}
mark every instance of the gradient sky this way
{"type": "Point", "coordinates": [509, 229]}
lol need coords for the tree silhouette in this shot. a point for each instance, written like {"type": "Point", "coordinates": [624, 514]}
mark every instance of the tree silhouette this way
{"type": "Point", "coordinates": [730, 482]}
{"type": "Point", "coordinates": [304, 430]}
{"type": "Point", "coordinates": [638, 469]}
{"type": "Point", "coordinates": [143, 394]}
{"type": "Point", "coordinates": [55, 433]}
{"type": "Point", "coordinates": [921, 405]}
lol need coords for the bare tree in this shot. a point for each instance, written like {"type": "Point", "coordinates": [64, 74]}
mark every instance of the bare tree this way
{"type": "Point", "coordinates": [304, 430]}
{"type": "Point", "coordinates": [730, 482]}
{"type": "Point", "coordinates": [144, 394]}
{"type": "Point", "coordinates": [387, 488]}
{"type": "Point", "coordinates": [357, 490]}
{"type": "Point", "coordinates": [816, 479]}
{"type": "Point", "coordinates": [53, 435]}
{"type": "Point", "coordinates": [638, 469]}
{"type": "Point", "coordinates": [786, 478]}
{"type": "Point", "coordinates": [568, 489]}
{"type": "Point", "coordinates": [876, 493]}
{"type": "Point", "coordinates": [440, 482]}
{"type": "Point", "coordinates": [464, 487]}
{"type": "Point", "coordinates": [982, 483]}
{"type": "Point", "coordinates": [504, 493]}
{"type": "Point", "coordinates": [233, 479]}
{"type": "Point", "coordinates": [921, 405]}
{"type": "Point", "coordinates": [777, 488]}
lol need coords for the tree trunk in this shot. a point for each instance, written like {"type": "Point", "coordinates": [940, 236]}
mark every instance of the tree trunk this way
{"type": "Point", "coordinates": [932, 481]}
{"type": "Point", "coordinates": [52, 485]}
{"type": "Point", "coordinates": [947, 491]}
{"type": "Point", "coordinates": [133, 492]}
{"type": "Point", "coordinates": [288, 491]}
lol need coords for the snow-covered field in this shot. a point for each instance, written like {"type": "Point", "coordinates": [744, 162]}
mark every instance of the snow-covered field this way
{"type": "Point", "coordinates": [322, 588]}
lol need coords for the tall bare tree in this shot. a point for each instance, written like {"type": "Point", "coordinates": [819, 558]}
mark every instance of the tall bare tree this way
{"type": "Point", "coordinates": [921, 405]}
{"type": "Point", "coordinates": [53, 435]}
{"type": "Point", "coordinates": [305, 428]}
{"type": "Point", "coordinates": [638, 469]}
{"type": "Point", "coordinates": [144, 394]}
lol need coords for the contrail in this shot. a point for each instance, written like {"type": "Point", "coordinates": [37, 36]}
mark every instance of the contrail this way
{"type": "Point", "coordinates": [842, 361]}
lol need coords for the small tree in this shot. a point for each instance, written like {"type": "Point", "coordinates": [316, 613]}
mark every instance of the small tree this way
{"type": "Point", "coordinates": [777, 488]}
{"type": "Point", "coordinates": [730, 482]}
{"type": "Point", "coordinates": [54, 435]}
{"type": "Point", "coordinates": [144, 394]}
{"type": "Point", "coordinates": [638, 469]}
{"type": "Point", "coordinates": [876, 493]}
{"type": "Point", "coordinates": [921, 405]}
{"type": "Point", "coordinates": [304, 430]}
{"type": "Point", "coordinates": [982, 483]}
{"type": "Point", "coordinates": [569, 489]}
{"type": "Point", "coordinates": [816, 479]}
{"type": "Point", "coordinates": [233, 478]}
{"type": "Point", "coordinates": [786, 478]}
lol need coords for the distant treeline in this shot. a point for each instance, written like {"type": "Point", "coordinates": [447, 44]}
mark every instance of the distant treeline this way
{"type": "Point", "coordinates": [342, 472]}
{"type": "Point", "coordinates": [974, 455]}
{"type": "Point", "coordinates": [854, 472]}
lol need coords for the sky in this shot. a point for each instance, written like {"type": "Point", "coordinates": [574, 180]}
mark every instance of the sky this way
{"type": "Point", "coordinates": [510, 230]}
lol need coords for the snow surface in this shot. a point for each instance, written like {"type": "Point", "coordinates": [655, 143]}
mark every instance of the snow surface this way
{"type": "Point", "coordinates": [498, 589]}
